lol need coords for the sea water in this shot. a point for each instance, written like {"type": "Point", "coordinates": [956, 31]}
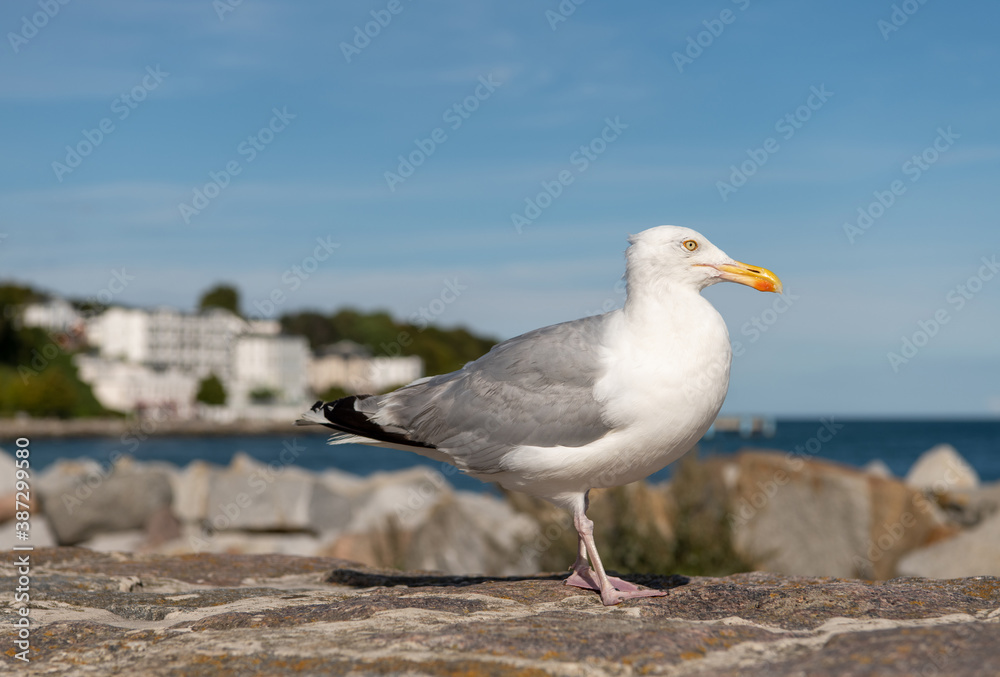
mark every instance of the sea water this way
{"type": "Point", "coordinates": [854, 442]}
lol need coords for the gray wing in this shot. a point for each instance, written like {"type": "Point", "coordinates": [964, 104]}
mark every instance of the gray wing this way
{"type": "Point", "coordinates": [535, 389]}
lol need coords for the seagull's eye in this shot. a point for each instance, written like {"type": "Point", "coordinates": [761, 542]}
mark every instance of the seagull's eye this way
{"type": "Point", "coordinates": [690, 245]}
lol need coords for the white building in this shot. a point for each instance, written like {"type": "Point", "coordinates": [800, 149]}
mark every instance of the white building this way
{"type": "Point", "coordinates": [130, 387]}
{"type": "Point", "coordinates": [157, 358]}
{"type": "Point", "coordinates": [55, 315]}
{"type": "Point", "coordinates": [273, 364]}
{"type": "Point", "coordinates": [350, 366]}
{"type": "Point", "coordinates": [164, 338]}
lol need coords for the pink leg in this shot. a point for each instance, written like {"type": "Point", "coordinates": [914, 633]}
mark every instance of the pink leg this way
{"type": "Point", "coordinates": [613, 590]}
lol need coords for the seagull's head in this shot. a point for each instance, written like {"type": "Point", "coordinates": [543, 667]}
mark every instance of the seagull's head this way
{"type": "Point", "coordinates": [685, 256]}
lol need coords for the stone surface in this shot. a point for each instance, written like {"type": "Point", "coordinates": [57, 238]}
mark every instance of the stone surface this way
{"type": "Point", "coordinates": [942, 469]}
{"type": "Point", "coordinates": [82, 499]}
{"type": "Point", "coordinates": [96, 614]}
{"type": "Point", "coordinates": [973, 552]}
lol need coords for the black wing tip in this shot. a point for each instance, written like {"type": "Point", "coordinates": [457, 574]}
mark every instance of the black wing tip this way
{"type": "Point", "coordinates": [342, 416]}
{"type": "Point", "coordinates": [320, 413]}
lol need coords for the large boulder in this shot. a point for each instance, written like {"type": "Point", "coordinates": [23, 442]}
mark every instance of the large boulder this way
{"type": "Point", "coordinates": [191, 486]}
{"type": "Point", "coordinates": [942, 469]}
{"type": "Point", "coordinates": [253, 496]}
{"type": "Point", "coordinates": [973, 552]}
{"type": "Point", "coordinates": [39, 532]}
{"type": "Point", "coordinates": [413, 518]}
{"type": "Point", "coordinates": [806, 516]}
{"type": "Point", "coordinates": [84, 498]}
{"type": "Point", "coordinates": [473, 533]}
{"type": "Point", "coordinates": [403, 498]}
{"type": "Point", "coordinates": [7, 493]}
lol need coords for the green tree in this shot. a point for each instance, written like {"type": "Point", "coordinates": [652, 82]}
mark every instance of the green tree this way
{"type": "Point", "coordinates": [211, 390]}
{"type": "Point", "coordinates": [37, 373]}
{"type": "Point", "coordinates": [221, 296]}
{"type": "Point", "coordinates": [442, 350]}
{"type": "Point", "coordinates": [12, 298]}
{"type": "Point", "coordinates": [264, 395]}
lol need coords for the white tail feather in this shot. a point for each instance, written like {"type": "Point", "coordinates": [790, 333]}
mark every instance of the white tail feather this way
{"type": "Point", "coordinates": [312, 417]}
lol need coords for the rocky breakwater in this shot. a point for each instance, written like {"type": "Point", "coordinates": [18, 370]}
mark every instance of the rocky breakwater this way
{"type": "Point", "coordinates": [785, 513]}
{"type": "Point", "coordinates": [217, 614]}
{"type": "Point", "coordinates": [756, 510]}
{"type": "Point", "coordinates": [407, 519]}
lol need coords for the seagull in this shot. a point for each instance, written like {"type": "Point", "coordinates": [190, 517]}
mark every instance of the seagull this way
{"type": "Point", "coordinates": [591, 403]}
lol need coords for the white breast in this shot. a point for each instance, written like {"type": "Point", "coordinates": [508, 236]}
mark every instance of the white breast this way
{"type": "Point", "coordinates": [663, 386]}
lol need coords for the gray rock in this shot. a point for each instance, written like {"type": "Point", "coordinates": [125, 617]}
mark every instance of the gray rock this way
{"type": "Point", "coordinates": [191, 486]}
{"type": "Point", "coordinates": [878, 468]}
{"type": "Point", "coordinates": [779, 511]}
{"type": "Point", "coordinates": [973, 552]}
{"type": "Point", "coordinates": [39, 533]}
{"type": "Point", "coordinates": [195, 539]}
{"type": "Point", "coordinates": [405, 498]}
{"type": "Point", "coordinates": [781, 504]}
{"type": "Point", "coordinates": [474, 533]}
{"type": "Point", "coordinates": [254, 496]}
{"type": "Point", "coordinates": [7, 469]}
{"type": "Point", "coordinates": [942, 469]}
{"type": "Point", "coordinates": [83, 498]}
{"type": "Point", "coordinates": [132, 540]}
{"type": "Point", "coordinates": [413, 518]}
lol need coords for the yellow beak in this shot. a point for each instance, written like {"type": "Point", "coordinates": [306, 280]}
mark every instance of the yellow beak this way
{"type": "Point", "coordinates": [760, 279]}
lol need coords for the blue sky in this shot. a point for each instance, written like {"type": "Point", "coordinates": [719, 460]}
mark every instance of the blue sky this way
{"type": "Point", "coordinates": [822, 108]}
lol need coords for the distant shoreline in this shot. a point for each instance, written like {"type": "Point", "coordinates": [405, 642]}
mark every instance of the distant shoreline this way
{"type": "Point", "coordinates": [41, 428]}
{"type": "Point", "coordinates": [47, 428]}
